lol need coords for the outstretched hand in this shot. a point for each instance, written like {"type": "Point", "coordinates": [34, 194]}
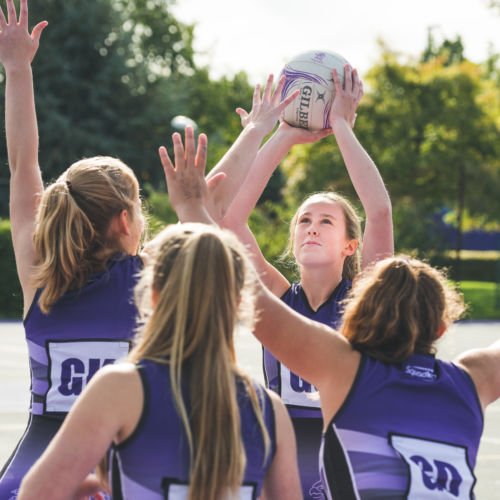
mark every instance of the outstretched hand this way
{"type": "Point", "coordinates": [17, 45]}
{"type": "Point", "coordinates": [266, 109]}
{"type": "Point", "coordinates": [347, 96]}
{"type": "Point", "coordinates": [188, 191]}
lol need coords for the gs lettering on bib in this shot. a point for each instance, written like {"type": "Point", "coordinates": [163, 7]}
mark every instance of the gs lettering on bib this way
{"type": "Point", "coordinates": [72, 365]}
{"type": "Point", "coordinates": [437, 469]}
{"type": "Point", "coordinates": [177, 491]}
{"type": "Point", "coordinates": [297, 391]}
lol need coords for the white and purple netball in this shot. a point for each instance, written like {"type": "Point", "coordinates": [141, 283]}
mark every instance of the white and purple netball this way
{"type": "Point", "coordinates": [311, 74]}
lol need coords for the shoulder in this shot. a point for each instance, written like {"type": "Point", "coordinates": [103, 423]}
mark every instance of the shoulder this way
{"type": "Point", "coordinates": [293, 291]}
{"type": "Point", "coordinates": [281, 416]}
{"type": "Point", "coordinates": [483, 366]}
{"type": "Point", "coordinates": [116, 375]}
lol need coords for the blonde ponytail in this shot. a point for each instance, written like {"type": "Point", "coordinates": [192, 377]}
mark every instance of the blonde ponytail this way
{"type": "Point", "coordinates": [72, 237]}
{"type": "Point", "coordinates": [201, 278]}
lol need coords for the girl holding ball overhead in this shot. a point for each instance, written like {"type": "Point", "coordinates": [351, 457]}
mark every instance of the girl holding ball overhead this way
{"type": "Point", "coordinates": [326, 241]}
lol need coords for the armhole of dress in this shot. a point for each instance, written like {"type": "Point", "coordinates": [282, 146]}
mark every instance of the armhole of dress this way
{"type": "Point", "coordinates": [32, 306]}
{"type": "Point", "coordinates": [350, 394]}
{"type": "Point", "coordinates": [272, 425]}
{"type": "Point", "coordinates": [116, 479]}
{"type": "Point", "coordinates": [474, 391]}
{"type": "Point", "coordinates": [145, 409]}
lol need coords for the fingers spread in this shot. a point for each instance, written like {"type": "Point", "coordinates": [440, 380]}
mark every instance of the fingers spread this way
{"type": "Point", "coordinates": [178, 151]}
{"type": "Point", "coordinates": [201, 153]}
{"type": "Point", "coordinates": [23, 14]}
{"type": "Point", "coordinates": [336, 81]}
{"type": "Point", "coordinates": [189, 145]}
{"type": "Point", "coordinates": [256, 95]}
{"type": "Point", "coordinates": [165, 160]}
{"type": "Point", "coordinates": [288, 100]}
{"type": "Point", "coordinates": [277, 91]}
{"type": "Point", "coordinates": [3, 21]}
{"type": "Point", "coordinates": [37, 31]}
{"type": "Point", "coordinates": [268, 88]}
{"type": "Point", "coordinates": [348, 78]}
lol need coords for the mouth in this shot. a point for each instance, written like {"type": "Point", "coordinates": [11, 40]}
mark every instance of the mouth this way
{"type": "Point", "coordinates": [311, 244]}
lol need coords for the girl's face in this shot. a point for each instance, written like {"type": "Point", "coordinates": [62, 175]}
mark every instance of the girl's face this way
{"type": "Point", "coordinates": [320, 236]}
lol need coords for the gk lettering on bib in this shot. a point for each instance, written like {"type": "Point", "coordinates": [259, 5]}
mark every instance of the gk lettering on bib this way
{"type": "Point", "coordinates": [177, 491]}
{"type": "Point", "coordinates": [437, 469]}
{"type": "Point", "coordinates": [296, 391]}
{"type": "Point", "coordinates": [72, 365]}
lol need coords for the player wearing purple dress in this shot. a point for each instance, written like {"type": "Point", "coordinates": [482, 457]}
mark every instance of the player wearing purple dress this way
{"type": "Point", "coordinates": [398, 423]}
{"type": "Point", "coordinates": [153, 463]}
{"type": "Point", "coordinates": [185, 421]}
{"type": "Point", "coordinates": [374, 459]}
{"type": "Point", "coordinates": [66, 348]}
{"type": "Point", "coordinates": [325, 240]}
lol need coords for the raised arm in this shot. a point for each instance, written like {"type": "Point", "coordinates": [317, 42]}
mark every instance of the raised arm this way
{"type": "Point", "coordinates": [17, 50]}
{"type": "Point", "coordinates": [378, 239]}
{"type": "Point", "coordinates": [187, 188]}
{"type": "Point", "coordinates": [483, 365]}
{"type": "Point", "coordinates": [267, 159]}
{"type": "Point", "coordinates": [263, 117]}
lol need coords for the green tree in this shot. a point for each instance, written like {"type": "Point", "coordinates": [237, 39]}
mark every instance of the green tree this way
{"type": "Point", "coordinates": [102, 82]}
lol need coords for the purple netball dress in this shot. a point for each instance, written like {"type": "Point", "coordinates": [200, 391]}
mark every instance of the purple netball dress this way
{"type": "Point", "coordinates": [405, 431]}
{"type": "Point", "coordinates": [153, 463]}
{"type": "Point", "coordinates": [85, 330]}
{"type": "Point", "coordinates": [302, 398]}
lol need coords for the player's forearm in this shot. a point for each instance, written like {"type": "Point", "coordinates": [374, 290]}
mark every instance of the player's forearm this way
{"type": "Point", "coordinates": [236, 164]}
{"type": "Point", "coordinates": [20, 118]}
{"type": "Point", "coordinates": [363, 172]}
{"type": "Point", "coordinates": [267, 159]}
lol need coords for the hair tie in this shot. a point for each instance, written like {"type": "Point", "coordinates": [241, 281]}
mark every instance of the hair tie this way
{"type": "Point", "coordinates": [70, 187]}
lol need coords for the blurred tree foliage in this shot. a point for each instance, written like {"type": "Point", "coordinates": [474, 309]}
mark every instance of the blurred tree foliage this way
{"type": "Point", "coordinates": [111, 74]}
{"type": "Point", "coordinates": [109, 77]}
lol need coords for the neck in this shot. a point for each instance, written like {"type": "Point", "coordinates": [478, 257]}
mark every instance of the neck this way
{"type": "Point", "coordinates": [318, 284]}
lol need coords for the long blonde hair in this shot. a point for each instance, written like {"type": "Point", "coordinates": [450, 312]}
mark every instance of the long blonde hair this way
{"type": "Point", "coordinates": [202, 281]}
{"type": "Point", "coordinates": [400, 306]}
{"type": "Point", "coordinates": [71, 236]}
{"type": "Point", "coordinates": [352, 263]}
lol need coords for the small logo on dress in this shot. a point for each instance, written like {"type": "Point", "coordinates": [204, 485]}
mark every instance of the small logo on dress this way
{"type": "Point", "coordinates": [420, 372]}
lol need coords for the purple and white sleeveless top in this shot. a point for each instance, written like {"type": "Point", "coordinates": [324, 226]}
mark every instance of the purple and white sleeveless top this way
{"type": "Point", "coordinates": [405, 431]}
{"type": "Point", "coordinates": [301, 397]}
{"type": "Point", "coordinates": [85, 330]}
{"type": "Point", "coordinates": [153, 463]}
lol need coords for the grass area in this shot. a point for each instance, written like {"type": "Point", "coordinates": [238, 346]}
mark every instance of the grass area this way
{"type": "Point", "coordinates": [483, 299]}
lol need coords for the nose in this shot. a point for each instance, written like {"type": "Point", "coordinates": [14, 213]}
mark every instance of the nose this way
{"type": "Point", "coordinates": [312, 230]}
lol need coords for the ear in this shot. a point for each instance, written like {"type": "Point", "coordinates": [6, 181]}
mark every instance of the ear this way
{"type": "Point", "coordinates": [350, 248]}
{"type": "Point", "coordinates": [124, 222]}
{"type": "Point", "coordinates": [441, 330]}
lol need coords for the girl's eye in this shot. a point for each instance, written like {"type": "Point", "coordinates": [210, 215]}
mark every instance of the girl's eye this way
{"type": "Point", "coordinates": [326, 221]}
{"type": "Point", "coordinates": [304, 220]}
